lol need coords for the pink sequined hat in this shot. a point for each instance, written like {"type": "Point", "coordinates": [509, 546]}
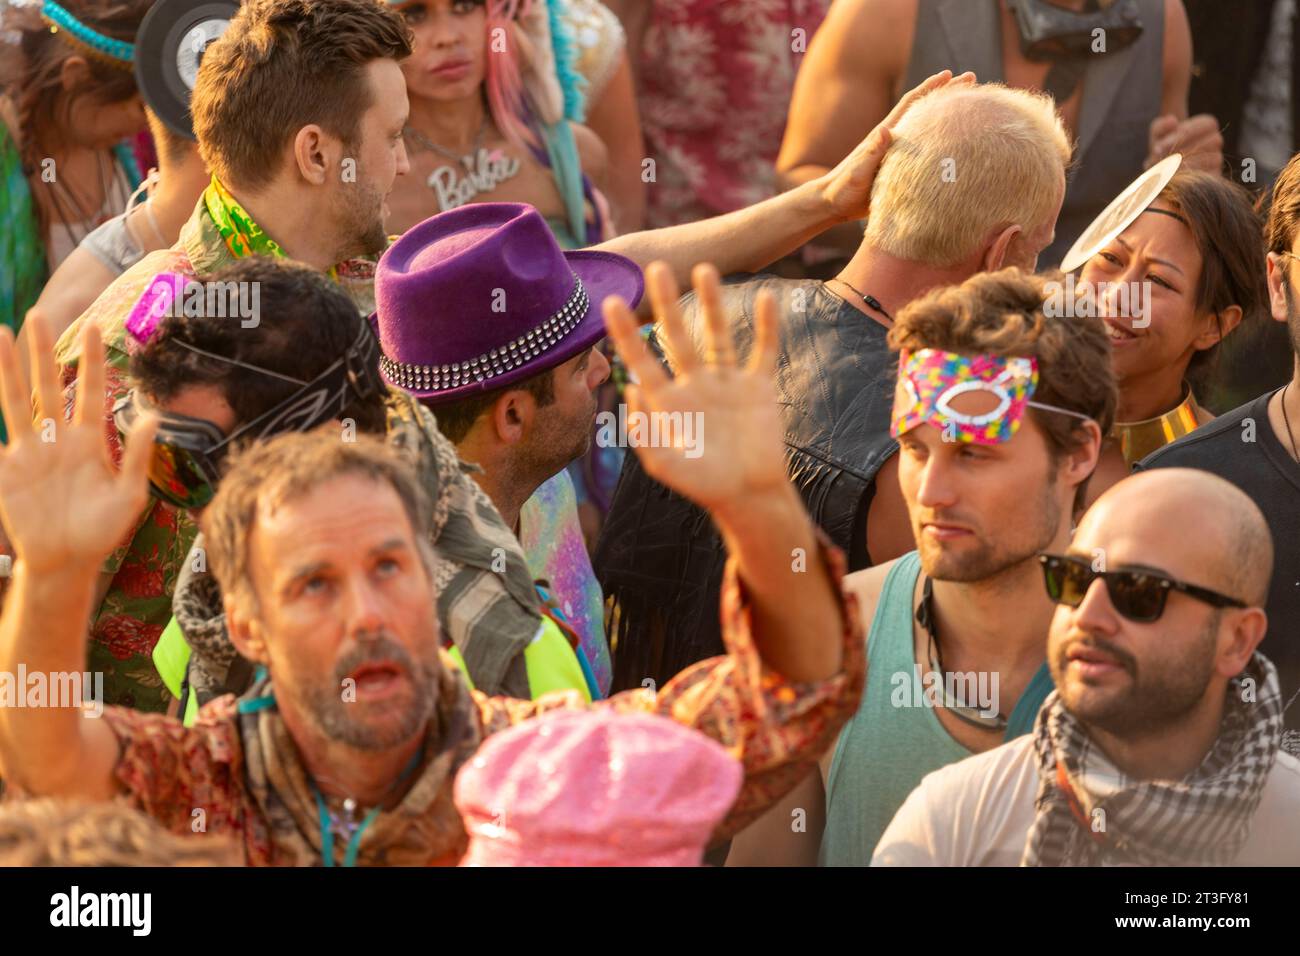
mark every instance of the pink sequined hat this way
{"type": "Point", "coordinates": [595, 788]}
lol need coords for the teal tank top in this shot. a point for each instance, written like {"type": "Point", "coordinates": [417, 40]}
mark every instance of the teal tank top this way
{"type": "Point", "coordinates": [885, 750]}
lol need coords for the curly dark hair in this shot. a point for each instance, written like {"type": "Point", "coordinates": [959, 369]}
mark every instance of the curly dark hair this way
{"type": "Point", "coordinates": [305, 323]}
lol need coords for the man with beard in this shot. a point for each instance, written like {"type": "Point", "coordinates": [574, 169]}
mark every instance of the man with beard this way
{"type": "Point", "coordinates": [283, 101]}
{"type": "Point", "coordinates": [510, 366]}
{"type": "Point", "coordinates": [299, 109]}
{"type": "Point", "coordinates": [1160, 745]}
{"type": "Point", "coordinates": [217, 382]}
{"type": "Point", "coordinates": [345, 751]}
{"type": "Point", "coordinates": [972, 182]}
{"type": "Point", "coordinates": [1255, 447]}
{"type": "Point", "coordinates": [999, 412]}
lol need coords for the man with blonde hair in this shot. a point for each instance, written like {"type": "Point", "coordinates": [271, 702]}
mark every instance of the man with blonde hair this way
{"type": "Point", "coordinates": [970, 164]}
{"type": "Point", "coordinates": [972, 182]}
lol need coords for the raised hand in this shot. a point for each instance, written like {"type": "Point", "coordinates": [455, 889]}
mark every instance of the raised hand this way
{"type": "Point", "coordinates": [62, 503]}
{"type": "Point", "coordinates": [728, 448]}
{"type": "Point", "coordinates": [848, 187]}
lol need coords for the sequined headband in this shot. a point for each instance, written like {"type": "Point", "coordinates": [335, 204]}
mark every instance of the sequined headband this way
{"type": "Point", "coordinates": [117, 52]}
{"type": "Point", "coordinates": [929, 380]}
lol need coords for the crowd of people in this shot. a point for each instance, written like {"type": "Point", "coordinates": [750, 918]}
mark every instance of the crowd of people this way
{"type": "Point", "coordinates": [371, 494]}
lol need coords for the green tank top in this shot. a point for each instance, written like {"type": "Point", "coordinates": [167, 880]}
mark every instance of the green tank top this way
{"type": "Point", "coordinates": [885, 749]}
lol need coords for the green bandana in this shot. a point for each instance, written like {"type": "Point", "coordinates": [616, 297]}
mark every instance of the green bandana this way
{"type": "Point", "coordinates": [242, 236]}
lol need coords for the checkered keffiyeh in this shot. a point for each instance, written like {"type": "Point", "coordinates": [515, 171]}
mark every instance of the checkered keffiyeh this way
{"type": "Point", "coordinates": [1200, 820]}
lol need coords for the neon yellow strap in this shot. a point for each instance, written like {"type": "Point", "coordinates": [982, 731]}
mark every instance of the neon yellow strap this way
{"type": "Point", "coordinates": [549, 660]}
{"type": "Point", "coordinates": [171, 656]}
{"type": "Point", "coordinates": [551, 663]}
{"type": "Point", "coordinates": [454, 653]}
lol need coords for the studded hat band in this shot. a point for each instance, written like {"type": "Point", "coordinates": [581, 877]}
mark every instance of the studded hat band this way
{"type": "Point", "coordinates": [497, 361]}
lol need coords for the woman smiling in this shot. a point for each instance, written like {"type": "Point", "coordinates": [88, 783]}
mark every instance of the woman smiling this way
{"type": "Point", "coordinates": [1190, 269]}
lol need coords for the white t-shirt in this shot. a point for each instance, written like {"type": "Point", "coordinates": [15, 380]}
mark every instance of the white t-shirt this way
{"type": "Point", "coordinates": [978, 812]}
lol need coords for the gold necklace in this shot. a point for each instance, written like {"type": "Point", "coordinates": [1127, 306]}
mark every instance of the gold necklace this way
{"type": "Point", "coordinates": [1139, 439]}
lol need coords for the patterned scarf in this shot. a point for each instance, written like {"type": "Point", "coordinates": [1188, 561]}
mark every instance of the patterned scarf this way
{"type": "Point", "coordinates": [1086, 807]}
{"type": "Point", "coordinates": [487, 605]}
{"type": "Point", "coordinates": [242, 236]}
{"type": "Point", "coordinates": [423, 829]}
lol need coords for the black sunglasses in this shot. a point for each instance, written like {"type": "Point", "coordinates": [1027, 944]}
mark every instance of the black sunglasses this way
{"type": "Point", "coordinates": [1138, 595]}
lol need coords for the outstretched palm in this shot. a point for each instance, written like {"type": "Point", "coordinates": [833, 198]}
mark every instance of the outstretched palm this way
{"type": "Point", "coordinates": [62, 502]}
{"type": "Point", "coordinates": [734, 451]}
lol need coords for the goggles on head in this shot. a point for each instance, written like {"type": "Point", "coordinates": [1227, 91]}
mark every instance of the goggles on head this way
{"type": "Point", "coordinates": [1049, 32]}
{"type": "Point", "coordinates": [189, 453]}
{"type": "Point", "coordinates": [977, 399]}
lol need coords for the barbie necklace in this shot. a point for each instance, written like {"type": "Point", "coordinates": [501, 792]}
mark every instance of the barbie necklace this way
{"type": "Point", "coordinates": [484, 170]}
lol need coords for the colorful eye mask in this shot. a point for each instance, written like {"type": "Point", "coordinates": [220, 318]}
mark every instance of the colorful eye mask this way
{"type": "Point", "coordinates": [929, 381]}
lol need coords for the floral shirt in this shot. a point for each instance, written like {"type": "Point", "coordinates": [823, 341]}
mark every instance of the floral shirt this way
{"type": "Point", "coordinates": [715, 81]}
{"type": "Point", "coordinates": [137, 605]}
{"type": "Point", "coordinates": [776, 728]}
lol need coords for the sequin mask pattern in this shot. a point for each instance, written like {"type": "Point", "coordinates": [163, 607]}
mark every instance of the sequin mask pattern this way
{"type": "Point", "coordinates": [929, 381]}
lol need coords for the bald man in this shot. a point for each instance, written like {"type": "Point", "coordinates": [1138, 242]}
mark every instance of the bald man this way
{"type": "Point", "coordinates": [1159, 746]}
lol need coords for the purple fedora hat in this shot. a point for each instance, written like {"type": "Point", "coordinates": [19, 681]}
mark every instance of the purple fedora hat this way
{"type": "Point", "coordinates": [482, 296]}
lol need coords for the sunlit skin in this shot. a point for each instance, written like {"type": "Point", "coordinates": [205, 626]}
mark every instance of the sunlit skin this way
{"type": "Point", "coordinates": [895, 283]}
{"type": "Point", "coordinates": [382, 159]}
{"type": "Point", "coordinates": [446, 80]}
{"type": "Point", "coordinates": [449, 59]}
{"type": "Point", "coordinates": [335, 572]}
{"type": "Point", "coordinates": [1151, 359]}
{"type": "Point", "coordinates": [979, 514]}
{"type": "Point", "coordinates": [976, 509]}
{"type": "Point", "coordinates": [1152, 694]}
{"type": "Point", "coordinates": [519, 444]}
{"type": "Point", "coordinates": [100, 125]}
{"type": "Point", "coordinates": [329, 201]}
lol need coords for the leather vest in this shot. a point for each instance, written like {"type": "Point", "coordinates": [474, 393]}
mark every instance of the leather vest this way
{"type": "Point", "coordinates": [1121, 96]}
{"type": "Point", "coordinates": [660, 559]}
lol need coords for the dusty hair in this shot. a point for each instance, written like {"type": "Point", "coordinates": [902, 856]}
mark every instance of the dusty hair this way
{"type": "Point", "coordinates": [47, 832]}
{"type": "Point", "coordinates": [286, 469]}
{"type": "Point", "coordinates": [964, 163]}
{"type": "Point", "coordinates": [1227, 232]}
{"type": "Point", "coordinates": [1002, 313]}
{"type": "Point", "coordinates": [283, 65]}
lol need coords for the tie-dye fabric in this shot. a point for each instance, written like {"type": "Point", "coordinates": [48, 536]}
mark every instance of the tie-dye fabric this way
{"type": "Point", "coordinates": [557, 553]}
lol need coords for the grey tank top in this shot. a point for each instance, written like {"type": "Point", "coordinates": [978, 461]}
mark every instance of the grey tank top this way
{"type": "Point", "coordinates": [112, 245]}
{"type": "Point", "coordinates": [894, 739]}
{"type": "Point", "coordinates": [1121, 96]}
